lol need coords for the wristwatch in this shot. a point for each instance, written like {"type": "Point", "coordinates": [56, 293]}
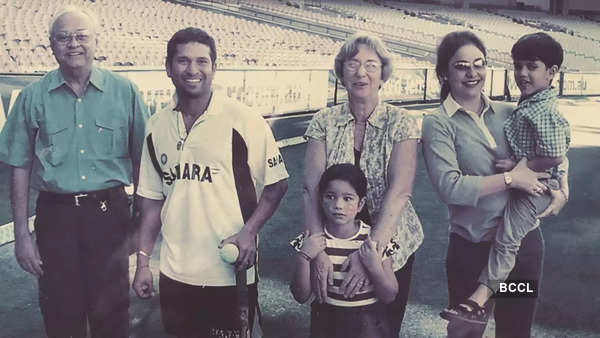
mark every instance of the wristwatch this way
{"type": "Point", "coordinates": [507, 178]}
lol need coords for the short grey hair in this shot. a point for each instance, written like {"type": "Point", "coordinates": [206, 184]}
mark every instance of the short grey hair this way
{"type": "Point", "coordinates": [74, 9]}
{"type": "Point", "coordinates": [350, 49]}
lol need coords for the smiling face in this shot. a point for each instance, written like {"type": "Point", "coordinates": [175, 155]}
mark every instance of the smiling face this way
{"type": "Point", "coordinates": [533, 76]}
{"type": "Point", "coordinates": [191, 70]}
{"type": "Point", "coordinates": [73, 41]}
{"type": "Point", "coordinates": [340, 203]}
{"type": "Point", "coordinates": [362, 73]}
{"type": "Point", "coordinates": [466, 72]}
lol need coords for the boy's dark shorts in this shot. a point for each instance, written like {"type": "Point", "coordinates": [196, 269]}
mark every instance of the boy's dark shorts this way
{"type": "Point", "coordinates": [202, 311]}
{"type": "Point", "coordinates": [369, 321]}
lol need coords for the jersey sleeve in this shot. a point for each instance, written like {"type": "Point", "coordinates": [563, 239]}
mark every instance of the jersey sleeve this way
{"type": "Point", "coordinates": [150, 182]}
{"type": "Point", "coordinates": [264, 158]}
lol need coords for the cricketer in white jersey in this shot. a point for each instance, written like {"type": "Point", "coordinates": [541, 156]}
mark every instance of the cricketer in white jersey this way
{"type": "Point", "coordinates": [211, 180]}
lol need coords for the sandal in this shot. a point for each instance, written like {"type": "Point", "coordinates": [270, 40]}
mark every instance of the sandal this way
{"type": "Point", "coordinates": [467, 311]}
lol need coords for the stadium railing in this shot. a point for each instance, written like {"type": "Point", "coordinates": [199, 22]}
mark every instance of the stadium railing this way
{"type": "Point", "coordinates": [294, 94]}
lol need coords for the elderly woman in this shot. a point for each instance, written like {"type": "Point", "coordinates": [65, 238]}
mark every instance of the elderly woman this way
{"type": "Point", "coordinates": [462, 142]}
{"type": "Point", "coordinates": [382, 140]}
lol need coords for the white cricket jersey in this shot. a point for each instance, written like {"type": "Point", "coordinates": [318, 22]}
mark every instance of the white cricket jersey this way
{"type": "Point", "coordinates": [211, 181]}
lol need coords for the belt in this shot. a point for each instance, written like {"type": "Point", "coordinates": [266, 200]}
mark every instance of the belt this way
{"type": "Point", "coordinates": [79, 198]}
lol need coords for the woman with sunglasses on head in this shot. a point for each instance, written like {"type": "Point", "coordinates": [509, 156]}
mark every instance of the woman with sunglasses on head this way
{"type": "Point", "coordinates": [462, 142]}
{"type": "Point", "coordinates": [382, 140]}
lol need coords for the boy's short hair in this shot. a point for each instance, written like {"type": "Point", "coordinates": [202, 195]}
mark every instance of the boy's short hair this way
{"type": "Point", "coordinates": [538, 46]}
{"type": "Point", "coordinates": [346, 172]}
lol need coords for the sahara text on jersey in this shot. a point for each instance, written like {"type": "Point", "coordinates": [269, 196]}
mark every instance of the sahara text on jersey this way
{"type": "Point", "coordinates": [190, 171]}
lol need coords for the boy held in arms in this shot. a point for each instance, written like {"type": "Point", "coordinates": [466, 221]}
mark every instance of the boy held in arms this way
{"type": "Point", "coordinates": [342, 189]}
{"type": "Point", "coordinates": [537, 132]}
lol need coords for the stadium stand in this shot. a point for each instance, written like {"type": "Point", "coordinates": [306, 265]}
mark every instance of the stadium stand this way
{"type": "Point", "coordinates": [427, 24]}
{"type": "Point", "coordinates": [133, 33]}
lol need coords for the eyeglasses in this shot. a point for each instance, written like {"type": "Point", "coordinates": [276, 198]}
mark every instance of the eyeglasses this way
{"type": "Point", "coordinates": [354, 66]}
{"type": "Point", "coordinates": [64, 38]}
{"type": "Point", "coordinates": [463, 66]}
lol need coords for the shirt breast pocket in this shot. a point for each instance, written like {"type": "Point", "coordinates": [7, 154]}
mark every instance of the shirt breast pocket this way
{"type": "Point", "coordinates": [59, 141]}
{"type": "Point", "coordinates": [110, 139]}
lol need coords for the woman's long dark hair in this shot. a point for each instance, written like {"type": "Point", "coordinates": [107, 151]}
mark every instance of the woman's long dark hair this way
{"type": "Point", "coordinates": [447, 48]}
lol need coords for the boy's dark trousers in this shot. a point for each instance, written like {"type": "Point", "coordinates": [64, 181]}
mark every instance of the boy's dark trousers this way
{"type": "Point", "coordinates": [465, 261]}
{"type": "Point", "coordinates": [85, 263]}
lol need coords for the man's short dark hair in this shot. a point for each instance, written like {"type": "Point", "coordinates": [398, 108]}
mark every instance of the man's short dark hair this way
{"type": "Point", "coordinates": [538, 46]}
{"type": "Point", "coordinates": [187, 35]}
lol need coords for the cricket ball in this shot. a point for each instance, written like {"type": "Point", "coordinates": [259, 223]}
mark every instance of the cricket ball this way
{"type": "Point", "coordinates": [229, 253]}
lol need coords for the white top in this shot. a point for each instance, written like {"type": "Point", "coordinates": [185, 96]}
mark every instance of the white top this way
{"type": "Point", "coordinates": [207, 197]}
{"type": "Point", "coordinates": [451, 107]}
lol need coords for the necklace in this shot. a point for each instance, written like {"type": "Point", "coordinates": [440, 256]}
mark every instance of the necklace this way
{"type": "Point", "coordinates": [181, 139]}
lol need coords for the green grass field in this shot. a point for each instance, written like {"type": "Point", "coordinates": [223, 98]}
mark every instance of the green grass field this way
{"type": "Point", "coordinates": [568, 305]}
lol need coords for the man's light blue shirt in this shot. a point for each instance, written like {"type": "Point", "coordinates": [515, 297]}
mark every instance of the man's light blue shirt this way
{"type": "Point", "coordinates": [75, 143]}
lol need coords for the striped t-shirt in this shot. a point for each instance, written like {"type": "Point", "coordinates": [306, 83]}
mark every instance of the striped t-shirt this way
{"type": "Point", "coordinates": [338, 250]}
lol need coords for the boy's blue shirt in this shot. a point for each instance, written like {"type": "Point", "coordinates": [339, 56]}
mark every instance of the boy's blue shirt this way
{"type": "Point", "coordinates": [536, 128]}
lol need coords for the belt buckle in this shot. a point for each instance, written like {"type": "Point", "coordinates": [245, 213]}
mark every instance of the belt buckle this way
{"type": "Point", "coordinates": [77, 198]}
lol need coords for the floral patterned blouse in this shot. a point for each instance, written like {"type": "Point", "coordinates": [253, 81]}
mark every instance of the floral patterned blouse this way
{"type": "Point", "coordinates": [386, 126]}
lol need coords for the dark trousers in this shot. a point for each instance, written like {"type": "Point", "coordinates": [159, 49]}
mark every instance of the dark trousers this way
{"type": "Point", "coordinates": [465, 261]}
{"type": "Point", "coordinates": [397, 308]}
{"type": "Point", "coordinates": [203, 311]}
{"type": "Point", "coordinates": [85, 265]}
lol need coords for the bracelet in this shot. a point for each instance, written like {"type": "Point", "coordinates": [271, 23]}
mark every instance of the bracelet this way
{"type": "Point", "coordinates": [304, 255]}
{"type": "Point", "coordinates": [143, 266]}
{"type": "Point", "coordinates": [143, 253]}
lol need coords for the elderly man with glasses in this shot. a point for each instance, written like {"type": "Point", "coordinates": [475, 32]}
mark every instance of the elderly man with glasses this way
{"type": "Point", "coordinates": [76, 137]}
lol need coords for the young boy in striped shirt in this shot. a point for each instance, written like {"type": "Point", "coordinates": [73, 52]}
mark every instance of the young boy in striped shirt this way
{"type": "Point", "coordinates": [342, 189]}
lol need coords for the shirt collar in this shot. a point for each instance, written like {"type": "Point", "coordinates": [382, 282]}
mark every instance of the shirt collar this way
{"type": "Point", "coordinates": [451, 106]}
{"type": "Point", "coordinates": [540, 96]}
{"type": "Point", "coordinates": [57, 79]}
{"type": "Point", "coordinates": [376, 119]}
{"type": "Point", "coordinates": [212, 109]}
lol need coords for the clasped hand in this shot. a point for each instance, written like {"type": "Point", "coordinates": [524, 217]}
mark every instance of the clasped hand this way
{"type": "Point", "coordinates": [356, 276]}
